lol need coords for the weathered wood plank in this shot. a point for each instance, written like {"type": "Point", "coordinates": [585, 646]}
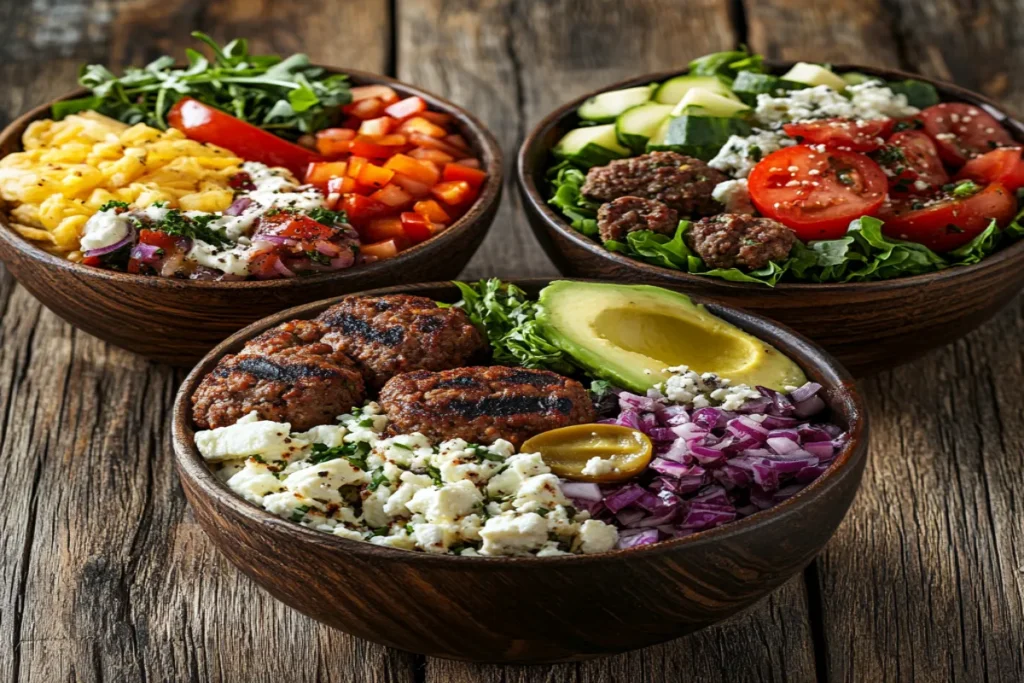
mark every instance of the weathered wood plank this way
{"type": "Point", "coordinates": [511, 63]}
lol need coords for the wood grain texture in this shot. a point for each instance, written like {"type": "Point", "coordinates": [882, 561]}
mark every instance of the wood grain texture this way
{"type": "Point", "coordinates": [923, 583]}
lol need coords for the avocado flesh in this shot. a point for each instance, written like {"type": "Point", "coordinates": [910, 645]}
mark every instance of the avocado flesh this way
{"type": "Point", "coordinates": [631, 334]}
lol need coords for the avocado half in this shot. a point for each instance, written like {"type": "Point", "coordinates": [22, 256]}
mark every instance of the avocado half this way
{"type": "Point", "coordinates": [631, 334]}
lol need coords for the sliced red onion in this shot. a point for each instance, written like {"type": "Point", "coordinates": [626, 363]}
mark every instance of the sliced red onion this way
{"type": "Point", "coordinates": [624, 497]}
{"type": "Point", "coordinates": [783, 444]}
{"type": "Point", "coordinates": [808, 407]}
{"type": "Point", "coordinates": [579, 490]}
{"type": "Point", "coordinates": [282, 269]}
{"type": "Point", "coordinates": [628, 518]}
{"type": "Point", "coordinates": [645, 537]}
{"type": "Point", "coordinates": [801, 394]}
{"type": "Point", "coordinates": [109, 249]}
{"type": "Point", "coordinates": [238, 207]}
{"type": "Point", "coordinates": [146, 253]}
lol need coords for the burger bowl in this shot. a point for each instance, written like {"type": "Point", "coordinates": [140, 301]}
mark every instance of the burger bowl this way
{"type": "Point", "coordinates": [529, 609]}
{"type": "Point", "coordinates": [867, 326]}
{"type": "Point", "coordinates": [177, 321]}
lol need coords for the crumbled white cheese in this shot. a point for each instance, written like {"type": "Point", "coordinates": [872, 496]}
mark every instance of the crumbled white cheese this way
{"type": "Point", "coordinates": [510, 534]}
{"type": "Point", "coordinates": [734, 195]}
{"type": "Point", "coordinates": [597, 537]}
{"type": "Point", "coordinates": [739, 155]}
{"type": "Point", "coordinates": [254, 481]}
{"type": "Point", "coordinates": [687, 387]}
{"type": "Point", "coordinates": [867, 101]}
{"type": "Point", "coordinates": [247, 437]}
{"type": "Point", "coordinates": [598, 466]}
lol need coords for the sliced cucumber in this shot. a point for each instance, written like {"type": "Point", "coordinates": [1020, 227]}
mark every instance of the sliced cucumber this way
{"type": "Point", "coordinates": [812, 75]}
{"type": "Point", "coordinates": [590, 146]}
{"type": "Point", "coordinates": [697, 136]}
{"type": "Point", "coordinates": [672, 90]}
{"type": "Point", "coordinates": [606, 106]}
{"type": "Point", "coordinates": [919, 94]}
{"type": "Point", "coordinates": [635, 126]}
{"type": "Point", "coordinates": [748, 85]}
{"type": "Point", "coordinates": [709, 103]}
{"type": "Point", "coordinates": [856, 78]}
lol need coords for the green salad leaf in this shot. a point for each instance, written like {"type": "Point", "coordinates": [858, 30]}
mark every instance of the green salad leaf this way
{"type": "Point", "coordinates": [507, 317]}
{"type": "Point", "coordinates": [289, 97]}
{"type": "Point", "coordinates": [581, 212]}
{"type": "Point", "coordinates": [727, 64]}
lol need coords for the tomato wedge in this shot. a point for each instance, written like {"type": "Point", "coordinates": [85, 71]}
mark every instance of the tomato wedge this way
{"type": "Point", "coordinates": [912, 163]}
{"type": "Point", "coordinates": [950, 222]}
{"type": "Point", "coordinates": [814, 193]}
{"type": "Point", "coordinates": [1003, 166]}
{"type": "Point", "coordinates": [963, 131]}
{"type": "Point", "coordinates": [212, 126]}
{"type": "Point", "coordinates": [843, 134]}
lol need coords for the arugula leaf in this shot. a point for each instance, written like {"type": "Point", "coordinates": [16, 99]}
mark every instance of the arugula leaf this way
{"type": "Point", "coordinates": [289, 97]}
{"type": "Point", "coordinates": [507, 317]}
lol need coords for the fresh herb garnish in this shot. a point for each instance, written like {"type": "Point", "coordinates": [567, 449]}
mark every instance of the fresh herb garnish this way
{"type": "Point", "coordinates": [890, 154]}
{"type": "Point", "coordinates": [328, 217]}
{"type": "Point", "coordinates": [355, 453]}
{"type": "Point", "coordinates": [316, 257]}
{"type": "Point", "coordinates": [299, 513]}
{"type": "Point", "coordinates": [964, 189]}
{"type": "Point", "coordinates": [193, 227]}
{"type": "Point", "coordinates": [435, 474]}
{"type": "Point", "coordinates": [289, 97]}
{"type": "Point", "coordinates": [114, 204]}
{"type": "Point", "coordinates": [377, 478]}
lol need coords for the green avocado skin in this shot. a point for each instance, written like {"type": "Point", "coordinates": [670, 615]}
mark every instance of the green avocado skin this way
{"type": "Point", "coordinates": [566, 307]}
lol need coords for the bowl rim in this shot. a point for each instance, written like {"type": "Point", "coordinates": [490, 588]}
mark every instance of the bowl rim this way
{"type": "Point", "coordinates": [535, 202]}
{"type": "Point", "coordinates": [481, 137]}
{"type": "Point", "coordinates": [191, 466]}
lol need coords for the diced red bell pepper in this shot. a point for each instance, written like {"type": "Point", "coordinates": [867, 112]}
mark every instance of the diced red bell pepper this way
{"type": "Point", "coordinates": [413, 187]}
{"type": "Point", "coordinates": [421, 140]}
{"type": "Point", "coordinates": [473, 176]}
{"type": "Point", "coordinates": [381, 92]}
{"type": "Point", "coordinates": [366, 146]}
{"type": "Point", "coordinates": [374, 176]}
{"type": "Point", "coordinates": [341, 185]}
{"type": "Point", "coordinates": [416, 227]}
{"type": "Point", "coordinates": [360, 208]}
{"type": "Point", "coordinates": [392, 195]}
{"type": "Point", "coordinates": [380, 229]}
{"type": "Point", "coordinates": [321, 172]}
{"type": "Point", "coordinates": [392, 140]}
{"type": "Point", "coordinates": [418, 124]}
{"type": "Point", "coordinates": [431, 210]}
{"type": "Point", "coordinates": [355, 165]}
{"type": "Point", "coordinates": [403, 109]}
{"type": "Point", "coordinates": [419, 171]}
{"type": "Point", "coordinates": [334, 142]}
{"type": "Point", "coordinates": [379, 251]}
{"type": "Point", "coordinates": [437, 156]}
{"type": "Point", "coordinates": [382, 125]}
{"type": "Point", "coordinates": [453, 193]}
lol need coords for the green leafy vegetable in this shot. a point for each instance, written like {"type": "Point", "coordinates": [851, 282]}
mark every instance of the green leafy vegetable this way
{"type": "Point", "coordinates": [193, 227]}
{"type": "Point", "coordinates": [507, 317]}
{"type": "Point", "coordinates": [964, 188]}
{"type": "Point", "coordinates": [114, 204]}
{"type": "Point", "coordinates": [355, 453]}
{"type": "Point", "coordinates": [566, 181]}
{"type": "Point", "coordinates": [919, 94]}
{"type": "Point", "coordinates": [727, 64]}
{"type": "Point", "coordinates": [289, 97]}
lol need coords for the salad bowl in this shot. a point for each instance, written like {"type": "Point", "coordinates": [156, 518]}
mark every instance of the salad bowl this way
{"type": "Point", "coordinates": [529, 609]}
{"type": "Point", "coordinates": [176, 321]}
{"type": "Point", "coordinates": [868, 325]}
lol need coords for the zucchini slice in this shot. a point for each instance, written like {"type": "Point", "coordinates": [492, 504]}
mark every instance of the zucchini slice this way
{"type": "Point", "coordinates": [590, 146]}
{"type": "Point", "coordinates": [605, 107]}
{"type": "Point", "coordinates": [636, 125]}
{"type": "Point", "coordinates": [672, 90]}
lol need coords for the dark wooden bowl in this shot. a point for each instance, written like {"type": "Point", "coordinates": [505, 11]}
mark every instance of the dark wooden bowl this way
{"type": "Point", "coordinates": [868, 326]}
{"type": "Point", "coordinates": [529, 609]}
{"type": "Point", "coordinates": [177, 321]}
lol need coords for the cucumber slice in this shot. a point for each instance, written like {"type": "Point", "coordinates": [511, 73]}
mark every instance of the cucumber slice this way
{"type": "Point", "coordinates": [636, 125]}
{"type": "Point", "coordinates": [919, 94]}
{"type": "Point", "coordinates": [812, 75]}
{"type": "Point", "coordinates": [606, 106]}
{"type": "Point", "coordinates": [748, 85]}
{"type": "Point", "coordinates": [856, 78]}
{"type": "Point", "coordinates": [709, 103]}
{"type": "Point", "coordinates": [590, 146]}
{"type": "Point", "coordinates": [697, 136]}
{"type": "Point", "coordinates": [672, 90]}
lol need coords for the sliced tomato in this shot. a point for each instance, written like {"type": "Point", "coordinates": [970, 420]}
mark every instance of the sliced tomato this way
{"type": "Point", "coordinates": [842, 134]}
{"type": "Point", "coordinates": [1003, 166]}
{"type": "Point", "coordinates": [294, 226]}
{"type": "Point", "coordinates": [158, 239]}
{"type": "Point", "coordinates": [949, 222]}
{"type": "Point", "coordinates": [360, 208]}
{"type": "Point", "coordinates": [912, 163]}
{"type": "Point", "coordinates": [963, 131]}
{"type": "Point", "coordinates": [416, 227]}
{"type": "Point", "coordinates": [212, 126]}
{"type": "Point", "coordinates": [815, 193]}
{"type": "Point", "coordinates": [91, 261]}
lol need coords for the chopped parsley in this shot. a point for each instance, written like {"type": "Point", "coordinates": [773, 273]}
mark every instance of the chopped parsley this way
{"type": "Point", "coordinates": [890, 154]}
{"type": "Point", "coordinates": [355, 453]}
{"type": "Point", "coordinates": [193, 227]}
{"type": "Point", "coordinates": [964, 189]}
{"type": "Point", "coordinates": [299, 513]}
{"type": "Point", "coordinates": [114, 204]}
{"type": "Point", "coordinates": [328, 217]}
{"type": "Point", "coordinates": [754, 153]}
{"type": "Point", "coordinates": [377, 479]}
{"type": "Point", "coordinates": [316, 257]}
{"type": "Point", "coordinates": [435, 474]}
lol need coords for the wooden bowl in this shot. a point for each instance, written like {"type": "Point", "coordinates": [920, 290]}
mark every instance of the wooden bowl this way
{"type": "Point", "coordinates": [529, 609]}
{"type": "Point", "coordinates": [177, 321]}
{"type": "Point", "coordinates": [868, 326]}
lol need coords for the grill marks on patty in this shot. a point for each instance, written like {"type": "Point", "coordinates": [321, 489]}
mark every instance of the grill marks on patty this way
{"type": "Point", "coordinates": [263, 368]}
{"type": "Point", "coordinates": [509, 406]}
{"type": "Point", "coordinates": [359, 327]}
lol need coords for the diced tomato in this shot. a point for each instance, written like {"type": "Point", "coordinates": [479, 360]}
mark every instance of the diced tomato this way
{"type": "Point", "coordinates": [295, 226]}
{"type": "Point", "coordinates": [360, 208]}
{"type": "Point", "coordinates": [403, 109]}
{"type": "Point", "coordinates": [814, 193]}
{"type": "Point", "coordinates": [369, 108]}
{"type": "Point", "coordinates": [382, 229]}
{"type": "Point", "coordinates": [419, 171]}
{"type": "Point", "coordinates": [351, 123]}
{"type": "Point", "coordinates": [393, 140]}
{"type": "Point", "coordinates": [375, 176]}
{"type": "Point", "coordinates": [205, 124]}
{"type": "Point", "coordinates": [950, 222]}
{"type": "Point", "coordinates": [416, 227]}
{"type": "Point", "coordinates": [341, 185]}
{"type": "Point", "coordinates": [379, 251]}
{"type": "Point", "coordinates": [469, 162]}
{"type": "Point", "coordinates": [453, 193]}
{"type": "Point", "coordinates": [318, 174]}
{"type": "Point", "coordinates": [437, 156]}
{"type": "Point", "coordinates": [474, 177]}
{"type": "Point", "coordinates": [366, 146]}
{"type": "Point", "coordinates": [1003, 166]}
{"type": "Point", "coordinates": [380, 92]}
{"type": "Point", "coordinates": [158, 239]}
{"type": "Point", "coordinates": [912, 163]}
{"type": "Point", "coordinates": [91, 261]}
{"type": "Point", "coordinates": [421, 140]}
{"type": "Point", "coordinates": [382, 125]}
{"type": "Point", "coordinates": [843, 134]}
{"type": "Point", "coordinates": [963, 131]}
{"type": "Point", "coordinates": [333, 142]}
{"type": "Point", "coordinates": [431, 210]}
{"type": "Point", "coordinates": [264, 266]}
{"type": "Point", "coordinates": [438, 117]}
{"type": "Point", "coordinates": [459, 142]}
{"type": "Point", "coordinates": [413, 187]}
{"type": "Point", "coordinates": [418, 124]}
{"type": "Point", "coordinates": [355, 165]}
{"type": "Point", "coordinates": [392, 195]}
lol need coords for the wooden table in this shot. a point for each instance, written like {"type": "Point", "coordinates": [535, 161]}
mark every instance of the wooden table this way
{"type": "Point", "coordinates": [104, 575]}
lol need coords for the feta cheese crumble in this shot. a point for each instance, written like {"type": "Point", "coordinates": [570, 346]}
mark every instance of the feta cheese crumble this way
{"type": "Point", "coordinates": [867, 101]}
{"type": "Point", "coordinates": [734, 195]}
{"type": "Point", "coordinates": [597, 466]}
{"type": "Point", "coordinates": [402, 491]}
{"type": "Point", "coordinates": [687, 387]}
{"type": "Point", "coordinates": [739, 155]}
